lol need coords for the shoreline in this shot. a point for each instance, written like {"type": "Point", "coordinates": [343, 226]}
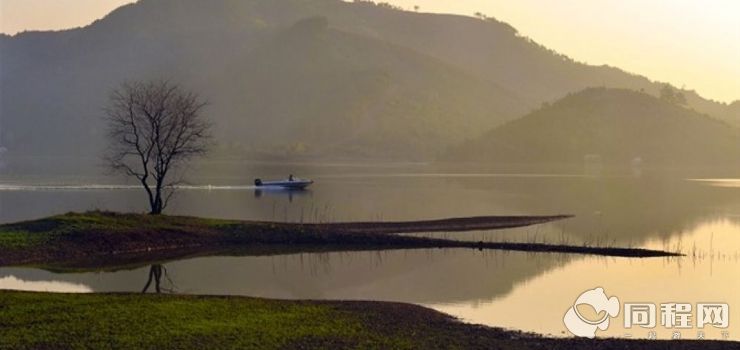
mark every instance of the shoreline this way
{"type": "Point", "coordinates": [105, 239]}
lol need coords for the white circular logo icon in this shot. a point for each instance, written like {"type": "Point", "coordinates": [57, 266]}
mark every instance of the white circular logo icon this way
{"type": "Point", "coordinates": [596, 298]}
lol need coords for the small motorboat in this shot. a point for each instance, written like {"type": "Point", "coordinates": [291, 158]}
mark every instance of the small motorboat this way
{"type": "Point", "coordinates": [291, 182]}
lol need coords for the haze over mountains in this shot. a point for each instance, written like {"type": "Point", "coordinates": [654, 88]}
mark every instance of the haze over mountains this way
{"type": "Point", "coordinates": [301, 78]}
{"type": "Point", "coordinates": [615, 126]}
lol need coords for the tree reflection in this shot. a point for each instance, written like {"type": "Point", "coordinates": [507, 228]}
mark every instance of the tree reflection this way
{"type": "Point", "coordinates": [155, 275]}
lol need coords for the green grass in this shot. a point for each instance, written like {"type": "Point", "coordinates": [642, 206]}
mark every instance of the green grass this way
{"type": "Point", "coordinates": [111, 221]}
{"type": "Point", "coordinates": [20, 240]}
{"type": "Point", "coordinates": [136, 321]}
{"type": "Point", "coordinates": [73, 226]}
{"type": "Point", "coordinates": [38, 320]}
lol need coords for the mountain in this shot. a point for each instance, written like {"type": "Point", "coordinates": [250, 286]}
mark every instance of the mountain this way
{"type": "Point", "coordinates": [735, 107]}
{"type": "Point", "coordinates": [293, 78]}
{"type": "Point", "coordinates": [615, 126]}
{"type": "Point", "coordinates": [344, 94]}
{"type": "Point", "coordinates": [275, 86]}
{"type": "Point", "coordinates": [497, 52]}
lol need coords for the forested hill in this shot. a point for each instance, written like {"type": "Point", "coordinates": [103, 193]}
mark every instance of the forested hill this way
{"type": "Point", "coordinates": [322, 78]}
{"type": "Point", "coordinates": [613, 126]}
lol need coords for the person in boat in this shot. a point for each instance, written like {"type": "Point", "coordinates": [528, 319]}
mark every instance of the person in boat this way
{"type": "Point", "coordinates": [290, 178]}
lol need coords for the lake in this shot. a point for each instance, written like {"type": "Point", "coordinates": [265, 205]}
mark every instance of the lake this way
{"type": "Point", "coordinates": [696, 215]}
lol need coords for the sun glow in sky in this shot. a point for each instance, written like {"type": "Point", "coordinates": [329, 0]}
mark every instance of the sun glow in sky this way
{"type": "Point", "coordinates": [689, 43]}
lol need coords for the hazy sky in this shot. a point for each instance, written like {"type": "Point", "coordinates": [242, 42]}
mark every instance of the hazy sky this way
{"type": "Point", "coordinates": [695, 43]}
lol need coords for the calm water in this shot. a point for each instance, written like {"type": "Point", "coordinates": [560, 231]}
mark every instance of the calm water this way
{"type": "Point", "coordinates": [514, 290]}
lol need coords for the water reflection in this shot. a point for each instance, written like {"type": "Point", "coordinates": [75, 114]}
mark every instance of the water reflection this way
{"type": "Point", "coordinates": [512, 289]}
{"type": "Point", "coordinates": [14, 283]}
{"type": "Point", "coordinates": [707, 274]}
{"type": "Point", "coordinates": [281, 192]}
{"type": "Point", "coordinates": [155, 275]}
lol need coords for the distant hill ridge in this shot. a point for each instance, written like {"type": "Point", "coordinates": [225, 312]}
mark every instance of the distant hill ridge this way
{"type": "Point", "coordinates": [614, 126]}
{"type": "Point", "coordinates": [295, 78]}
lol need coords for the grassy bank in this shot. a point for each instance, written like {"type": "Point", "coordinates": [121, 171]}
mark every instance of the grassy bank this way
{"type": "Point", "coordinates": [102, 238]}
{"type": "Point", "coordinates": [134, 321]}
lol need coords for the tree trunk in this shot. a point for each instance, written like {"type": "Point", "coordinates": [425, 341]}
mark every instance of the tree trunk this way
{"type": "Point", "coordinates": [157, 204]}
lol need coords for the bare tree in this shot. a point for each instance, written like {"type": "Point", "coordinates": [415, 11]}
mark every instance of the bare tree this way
{"type": "Point", "coordinates": [154, 127]}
